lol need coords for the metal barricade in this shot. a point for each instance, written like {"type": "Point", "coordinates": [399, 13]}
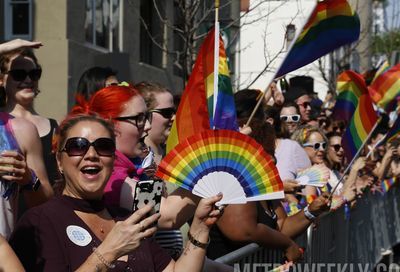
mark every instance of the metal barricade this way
{"type": "Point", "coordinates": [372, 229]}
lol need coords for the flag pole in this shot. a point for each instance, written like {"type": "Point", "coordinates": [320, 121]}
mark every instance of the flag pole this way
{"type": "Point", "coordinates": [267, 94]}
{"type": "Point", "coordinates": [216, 59]}
{"type": "Point", "coordinates": [355, 157]}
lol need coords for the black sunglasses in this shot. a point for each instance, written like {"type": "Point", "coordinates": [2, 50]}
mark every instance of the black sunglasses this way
{"type": "Point", "coordinates": [167, 113]}
{"type": "Point", "coordinates": [21, 74]}
{"type": "Point", "coordinates": [304, 104]}
{"type": "Point", "coordinates": [336, 147]}
{"type": "Point", "coordinates": [78, 146]}
{"type": "Point", "coordinates": [316, 146]}
{"type": "Point", "coordinates": [140, 119]}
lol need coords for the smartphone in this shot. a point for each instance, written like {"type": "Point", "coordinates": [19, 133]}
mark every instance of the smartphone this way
{"type": "Point", "coordinates": [148, 192]}
{"type": "Point", "coordinates": [136, 194]}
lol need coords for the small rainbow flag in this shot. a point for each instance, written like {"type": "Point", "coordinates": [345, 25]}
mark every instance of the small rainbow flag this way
{"type": "Point", "coordinates": [331, 25]}
{"type": "Point", "coordinates": [195, 112]}
{"type": "Point", "coordinates": [386, 184]}
{"type": "Point", "coordinates": [381, 70]}
{"type": "Point", "coordinates": [350, 86]}
{"type": "Point", "coordinates": [393, 131]}
{"type": "Point", "coordinates": [386, 88]}
{"type": "Point", "coordinates": [360, 126]}
{"type": "Point", "coordinates": [224, 116]}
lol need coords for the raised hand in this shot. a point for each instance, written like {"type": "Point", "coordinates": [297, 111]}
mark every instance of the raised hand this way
{"type": "Point", "coordinates": [13, 167]}
{"type": "Point", "coordinates": [126, 235]}
{"type": "Point", "coordinates": [320, 204]}
{"type": "Point", "coordinates": [18, 44]}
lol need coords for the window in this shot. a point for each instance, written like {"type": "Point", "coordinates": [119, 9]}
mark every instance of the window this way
{"type": "Point", "coordinates": [151, 33]}
{"type": "Point", "coordinates": [103, 24]}
{"type": "Point", "coordinates": [18, 19]}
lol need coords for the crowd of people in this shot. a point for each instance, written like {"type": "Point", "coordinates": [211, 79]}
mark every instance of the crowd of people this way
{"type": "Point", "coordinates": [62, 203]}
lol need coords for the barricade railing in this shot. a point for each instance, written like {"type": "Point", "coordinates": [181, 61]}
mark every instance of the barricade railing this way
{"type": "Point", "coordinates": [373, 228]}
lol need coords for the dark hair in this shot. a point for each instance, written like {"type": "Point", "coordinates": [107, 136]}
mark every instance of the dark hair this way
{"type": "Point", "coordinates": [73, 119]}
{"type": "Point", "coordinates": [289, 104]}
{"type": "Point", "coordinates": [245, 101]}
{"type": "Point", "coordinates": [263, 133]}
{"type": "Point", "coordinates": [5, 59]}
{"type": "Point", "coordinates": [93, 80]}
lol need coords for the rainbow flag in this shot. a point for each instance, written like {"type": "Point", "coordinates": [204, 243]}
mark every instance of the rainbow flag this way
{"type": "Point", "coordinates": [386, 184]}
{"type": "Point", "coordinates": [381, 70]}
{"type": "Point", "coordinates": [393, 131]}
{"type": "Point", "coordinates": [386, 88]}
{"type": "Point", "coordinates": [350, 86]}
{"type": "Point", "coordinates": [224, 116]}
{"type": "Point", "coordinates": [360, 126]}
{"type": "Point", "coordinates": [193, 116]}
{"type": "Point", "coordinates": [331, 25]}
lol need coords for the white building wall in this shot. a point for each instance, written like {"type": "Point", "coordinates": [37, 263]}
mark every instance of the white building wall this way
{"type": "Point", "coordinates": [262, 37]}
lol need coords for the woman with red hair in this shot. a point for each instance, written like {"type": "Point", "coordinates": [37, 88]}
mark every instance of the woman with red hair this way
{"type": "Point", "coordinates": [127, 109]}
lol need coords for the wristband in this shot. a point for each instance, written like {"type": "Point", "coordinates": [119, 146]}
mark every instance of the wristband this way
{"type": "Point", "coordinates": [34, 184]}
{"type": "Point", "coordinates": [108, 264]}
{"type": "Point", "coordinates": [308, 214]}
{"type": "Point", "coordinates": [197, 243]}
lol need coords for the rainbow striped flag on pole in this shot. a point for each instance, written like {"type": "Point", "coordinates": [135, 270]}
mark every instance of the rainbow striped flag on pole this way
{"type": "Point", "coordinates": [361, 126]}
{"type": "Point", "coordinates": [350, 86]}
{"type": "Point", "coordinates": [331, 25]}
{"type": "Point", "coordinates": [198, 110]}
{"type": "Point", "coordinates": [386, 88]}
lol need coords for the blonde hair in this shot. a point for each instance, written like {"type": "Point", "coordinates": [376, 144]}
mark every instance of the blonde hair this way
{"type": "Point", "coordinates": [303, 133]}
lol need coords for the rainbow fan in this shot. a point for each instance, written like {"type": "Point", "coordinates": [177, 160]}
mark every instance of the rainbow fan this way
{"type": "Point", "coordinates": [316, 175]}
{"type": "Point", "coordinates": [222, 161]}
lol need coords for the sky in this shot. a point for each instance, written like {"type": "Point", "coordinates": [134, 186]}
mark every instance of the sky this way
{"type": "Point", "coordinates": [393, 14]}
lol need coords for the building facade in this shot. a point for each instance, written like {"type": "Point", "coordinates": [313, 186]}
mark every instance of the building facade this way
{"type": "Point", "coordinates": [79, 34]}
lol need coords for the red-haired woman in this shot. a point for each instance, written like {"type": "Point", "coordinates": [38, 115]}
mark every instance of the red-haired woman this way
{"type": "Point", "coordinates": [127, 109]}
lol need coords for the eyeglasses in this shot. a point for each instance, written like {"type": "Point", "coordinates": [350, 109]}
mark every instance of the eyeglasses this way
{"type": "Point", "coordinates": [78, 146]}
{"type": "Point", "coordinates": [167, 113]}
{"type": "Point", "coordinates": [305, 104]}
{"type": "Point", "coordinates": [140, 119]}
{"type": "Point", "coordinates": [21, 74]}
{"type": "Point", "coordinates": [290, 118]}
{"type": "Point", "coordinates": [316, 146]}
{"type": "Point", "coordinates": [336, 147]}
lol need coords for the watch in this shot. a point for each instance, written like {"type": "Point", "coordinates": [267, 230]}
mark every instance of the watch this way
{"type": "Point", "coordinates": [34, 185]}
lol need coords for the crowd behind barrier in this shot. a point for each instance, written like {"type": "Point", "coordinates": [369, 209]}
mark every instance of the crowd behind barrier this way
{"type": "Point", "coordinates": [372, 230]}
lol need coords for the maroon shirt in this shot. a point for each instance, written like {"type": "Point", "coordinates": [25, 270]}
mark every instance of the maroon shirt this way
{"type": "Point", "coordinates": [51, 237]}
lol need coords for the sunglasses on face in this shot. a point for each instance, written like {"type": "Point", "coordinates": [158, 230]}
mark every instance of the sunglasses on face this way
{"type": "Point", "coordinates": [139, 120]}
{"type": "Point", "coordinates": [78, 146]}
{"type": "Point", "coordinates": [336, 147]}
{"type": "Point", "coordinates": [316, 146]}
{"type": "Point", "coordinates": [290, 118]}
{"type": "Point", "coordinates": [167, 113]}
{"type": "Point", "coordinates": [305, 104]}
{"type": "Point", "coordinates": [21, 74]}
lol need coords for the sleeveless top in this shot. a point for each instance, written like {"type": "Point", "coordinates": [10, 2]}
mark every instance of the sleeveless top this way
{"type": "Point", "coordinates": [8, 190]}
{"type": "Point", "coordinates": [220, 245]}
{"type": "Point", "coordinates": [49, 158]}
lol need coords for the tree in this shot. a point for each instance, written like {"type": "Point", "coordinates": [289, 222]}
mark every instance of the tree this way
{"type": "Point", "coordinates": [177, 28]}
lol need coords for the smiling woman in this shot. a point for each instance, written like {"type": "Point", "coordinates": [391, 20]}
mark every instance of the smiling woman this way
{"type": "Point", "coordinates": [20, 73]}
{"type": "Point", "coordinates": [76, 232]}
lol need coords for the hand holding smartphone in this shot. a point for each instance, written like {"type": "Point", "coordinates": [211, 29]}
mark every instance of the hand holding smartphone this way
{"type": "Point", "coordinates": [136, 194]}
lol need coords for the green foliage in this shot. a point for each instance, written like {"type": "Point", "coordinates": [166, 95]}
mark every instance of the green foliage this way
{"type": "Point", "coordinates": [387, 42]}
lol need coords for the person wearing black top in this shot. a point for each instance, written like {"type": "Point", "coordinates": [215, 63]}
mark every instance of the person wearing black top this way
{"type": "Point", "coordinates": [76, 232]}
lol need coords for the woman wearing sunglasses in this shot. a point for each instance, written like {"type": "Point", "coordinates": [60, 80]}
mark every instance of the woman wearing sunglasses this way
{"type": "Point", "coordinates": [127, 109]}
{"type": "Point", "coordinates": [289, 118]}
{"type": "Point", "coordinates": [76, 232]}
{"type": "Point", "coordinates": [160, 103]}
{"type": "Point", "coordinates": [19, 76]}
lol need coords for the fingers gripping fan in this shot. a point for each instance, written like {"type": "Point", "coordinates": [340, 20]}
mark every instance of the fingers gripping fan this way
{"type": "Point", "coordinates": [223, 161]}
